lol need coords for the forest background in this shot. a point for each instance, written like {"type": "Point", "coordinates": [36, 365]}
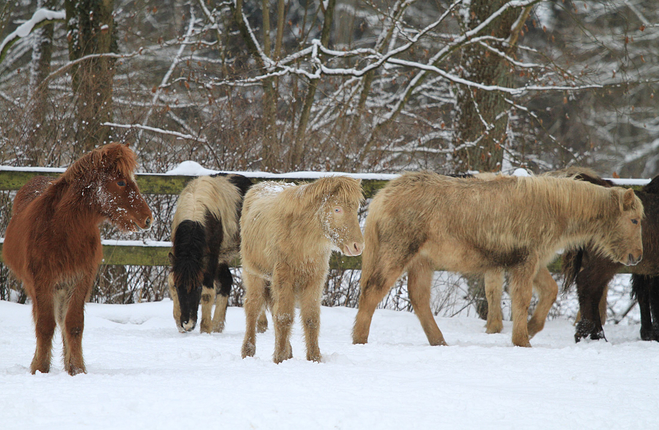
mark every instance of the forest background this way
{"type": "Point", "coordinates": [331, 85]}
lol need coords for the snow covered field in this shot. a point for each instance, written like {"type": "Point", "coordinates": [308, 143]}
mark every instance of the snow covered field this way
{"type": "Point", "coordinates": [143, 374]}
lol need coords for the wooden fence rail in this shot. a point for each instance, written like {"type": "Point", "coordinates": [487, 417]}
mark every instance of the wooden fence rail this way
{"type": "Point", "coordinates": [155, 253]}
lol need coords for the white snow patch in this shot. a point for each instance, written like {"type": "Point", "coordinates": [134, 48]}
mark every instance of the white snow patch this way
{"type": "Point", "coordinates": [144, 374]}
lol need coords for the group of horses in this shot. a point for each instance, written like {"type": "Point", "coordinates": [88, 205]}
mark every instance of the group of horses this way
{"type": "Point", "coordinates": [285, 233]}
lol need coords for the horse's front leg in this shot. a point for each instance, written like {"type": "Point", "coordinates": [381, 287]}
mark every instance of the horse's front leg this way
{"type": "Point", "coordinates": [225, 280]}
{"type": "Point", "coordinates": [43, 312]}
{"type": "Point", "coordinates": [375, 283]}
{"type": "Point", "coordinates": [310, 314]}
{"type": "Point", "coordinates": [419, 279]}
{"type": "Point", "coordinates": [493, 289]}
{"type": "Point", "coordinates": [283, 313]}
{"type": "Point", "coordinates": [521, 291]}
{"type": "Point", "coordinates": [74, 324]}
{"type": "Point", "coordinates": [207, 300]}
{"type": "Point", "coordinates": [208, 294]}
{"type": "Point", "coordinates": [173, 294]}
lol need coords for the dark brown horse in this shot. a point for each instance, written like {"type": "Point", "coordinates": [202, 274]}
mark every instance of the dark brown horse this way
{"type": "Point", "coordinates": [53, 242]}
{"type": "Point", "coordinates": [591, 272]}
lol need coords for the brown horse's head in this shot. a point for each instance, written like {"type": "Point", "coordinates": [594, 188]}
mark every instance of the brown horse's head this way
{"type": "Point", "coordinates": [339, 214]}
{"type": "Point", "coordinates": [107, 179]}
{"type": "Point", "coordinates": [622, 242]}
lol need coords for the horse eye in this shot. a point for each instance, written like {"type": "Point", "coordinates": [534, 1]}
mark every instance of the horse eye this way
{"type": "Point", "coordinates": [121, 183]}
{"type": "Point", "coordinates": [634, 221]}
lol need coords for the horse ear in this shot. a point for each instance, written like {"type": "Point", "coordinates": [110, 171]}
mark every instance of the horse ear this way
{"type": "Point", "coordinates": [628, 200]}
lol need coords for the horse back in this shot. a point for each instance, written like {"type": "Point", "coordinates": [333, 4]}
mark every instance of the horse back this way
{"type": "Point", "coordinates": [30, 191]}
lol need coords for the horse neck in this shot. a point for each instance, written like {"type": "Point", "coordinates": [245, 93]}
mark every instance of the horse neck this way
{"type": "Point", "coordinates": [75, 206]}
{"type": "Point", "coordinates": [585, 219]}
{"type": "Point", "coordinates": [313, 237]}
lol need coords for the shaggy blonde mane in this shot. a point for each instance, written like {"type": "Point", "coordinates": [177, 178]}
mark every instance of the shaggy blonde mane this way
{"type": "Point", "coordinates": [343, 188]}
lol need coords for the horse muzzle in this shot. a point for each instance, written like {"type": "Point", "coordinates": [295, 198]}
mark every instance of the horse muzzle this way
{"type": "Point", "coordinates": [145, 225]}
{"type": "Point", "coordinates": [353, 249]}
{"type": "Point", "coordinates": [633, 261]}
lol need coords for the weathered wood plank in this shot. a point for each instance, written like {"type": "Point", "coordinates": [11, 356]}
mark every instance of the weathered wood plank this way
{"type": "Point", "coordinates": [150, 183]}
{"type": "Point", "coordinates": [145, 255]}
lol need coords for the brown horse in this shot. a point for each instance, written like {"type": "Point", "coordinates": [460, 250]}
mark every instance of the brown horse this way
{"type": "Point", "coordinates": [53, 242]}
{"type": "Point", "coordinates": [288, 233]}
{"type": "Point", "coordinates": [591, 272]}
{"type": "Point", "coordinates": [422, 221]}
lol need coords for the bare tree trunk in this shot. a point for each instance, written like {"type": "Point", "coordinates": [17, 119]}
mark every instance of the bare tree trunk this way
{"type": "Point", "coordinates": [39, 69]}
{"type": "Point", "coordinates": [482, 119]}
{"type": "Point", "coordinates": [91, 31]}
{"type": "Point", "coordinates": [482, 115]}
{"type": "Point", "coordinates": [270, 149]}
{"type": "Point", "coordinates": [300, 136]}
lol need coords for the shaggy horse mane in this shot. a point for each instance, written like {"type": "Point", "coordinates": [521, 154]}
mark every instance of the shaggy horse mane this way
{"type": "Point", "coordinates": [572, 193]}
{"type": "Point", "coordinates": [113, 157]}
{"type": "Point", "coordinates": [344, 188]}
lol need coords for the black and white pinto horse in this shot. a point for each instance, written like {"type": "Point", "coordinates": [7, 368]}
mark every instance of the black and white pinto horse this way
{"type": "Point", "coordinates": [205, 238]}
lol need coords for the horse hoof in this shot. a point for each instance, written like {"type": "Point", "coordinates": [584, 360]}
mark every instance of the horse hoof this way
{"type": "Point", "coordinates": [647, 334]}
{"type": "Point", "coordinates": [248, 350]}
{"type": "Point", "coordinates": [494, 328]}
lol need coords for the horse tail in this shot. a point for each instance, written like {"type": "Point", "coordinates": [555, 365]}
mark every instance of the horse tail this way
{"type": "Point", "coordinates": [572, 260]}
{"type": "Point", "coordinates": [189, 245]}
{"type": "Point", "coordinates": [369, 258]}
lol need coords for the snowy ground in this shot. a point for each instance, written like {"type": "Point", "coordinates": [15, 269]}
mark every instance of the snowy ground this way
{"type": "Point", "coordinates": [143, 374]}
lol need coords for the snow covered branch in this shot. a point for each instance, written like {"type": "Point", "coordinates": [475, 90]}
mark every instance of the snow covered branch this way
{"type": "Point", "coordinates": [39, 18]}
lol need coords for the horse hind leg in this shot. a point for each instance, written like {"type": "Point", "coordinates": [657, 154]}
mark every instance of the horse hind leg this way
{"type": "Point", "coordinates": [642, 288]}
{"type": "Point", "coordinates": [253, 305]}
{"type": "Point", "coordinates": [493, 290]}
{"type": "Point", "coordinates": [43, 312]}
{"type": "Point", "coordinates": [654, 307]}
{"type": "Point", "coordinates": [419, 279]}
{"type": "Point", "coordinates": [548, 291]}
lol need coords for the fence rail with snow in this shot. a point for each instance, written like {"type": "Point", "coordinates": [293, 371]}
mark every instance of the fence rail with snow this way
{"type": "Point", "coordinates": [155, 253]}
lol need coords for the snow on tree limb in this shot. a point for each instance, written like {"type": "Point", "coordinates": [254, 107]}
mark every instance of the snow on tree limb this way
{"type": "Point", "coordinates": [156, 130]}
{"type": "Point", "coordinates": [39, 18]}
